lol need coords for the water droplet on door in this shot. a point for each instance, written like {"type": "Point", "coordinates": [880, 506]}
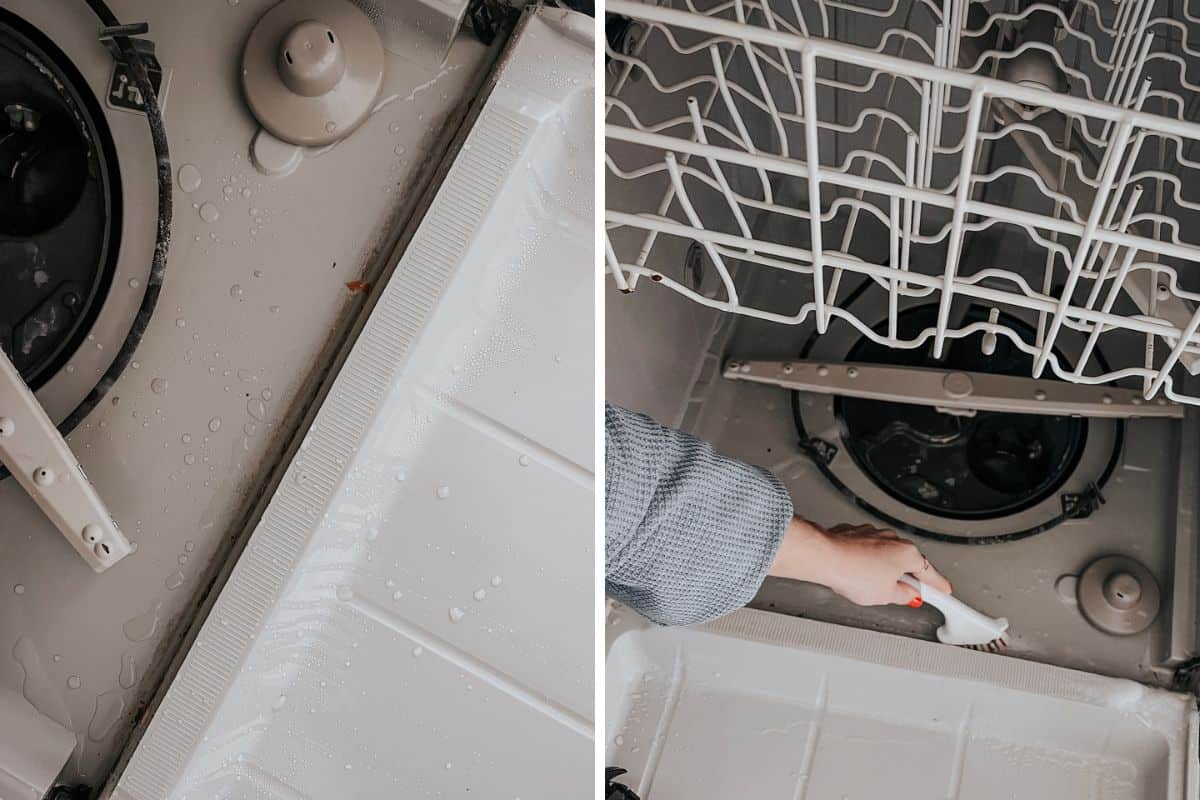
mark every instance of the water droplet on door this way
{"type": "Point", "coordinates": [189, 178]}
{"type": "Point", "coordinates": [158, 386]}
{"type": "Point", "coordinates": [143, 626]}
{"type": "Point", "coordinates": [108, 710]}
{"type": "Point", "coordinates": [128, 676]}
{"type": "Point", "coordinates": [456, 614]}
{"type": "Point", "coordinates": [209, 213]}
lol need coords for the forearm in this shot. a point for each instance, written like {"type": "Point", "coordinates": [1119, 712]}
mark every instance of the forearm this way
{"type": "Point", "coordinates": [690, 534]}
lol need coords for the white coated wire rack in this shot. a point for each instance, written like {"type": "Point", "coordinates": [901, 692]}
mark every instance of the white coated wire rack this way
{"type": "Point", "coordinates": [1032, 157]}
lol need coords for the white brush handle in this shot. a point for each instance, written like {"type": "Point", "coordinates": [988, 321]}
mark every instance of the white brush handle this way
{"type": "Point", "coordinates": [964, 625]}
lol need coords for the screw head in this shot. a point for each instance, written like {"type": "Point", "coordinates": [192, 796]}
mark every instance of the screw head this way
{"type": "Point", "coordinates": [822, 370]}
{"type": "Point", "coordinates": [8, 426]}
{"type": "Point", "coordinates": [92, 533]}
{"type": "Point", "coordinates": [1039, 395]}
{"type": "Point", "coordinates": [43, 476]}
{"type": "Point", "coordinates": [852, 372]}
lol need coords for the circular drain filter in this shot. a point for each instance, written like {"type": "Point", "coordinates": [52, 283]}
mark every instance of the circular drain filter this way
{"type": "Point", "coordinates": [1118, 595]}
{"type": "Point", "coordinates": [988, 465]}
{"type": "Point", "coordinates": [975, 479]}
{"type": "Point", "coordinates": [59, 208]}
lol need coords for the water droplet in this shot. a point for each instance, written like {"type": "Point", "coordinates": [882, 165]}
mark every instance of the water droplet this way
{"type": "Point", "coordinates": [189, 459]}
{"type": "Point", "coordinates": [174, 580]}
{"type": "Point", "coordinates": [236, 291]}
{"type": "Point", "coordinates": [401, 476]}
{"type": "Point", "coordinates": [496, 580]}
{"type": "Point", "coordinates": [448, 765]}
{"type": "Point", "coordinates": [620, 740]}
{"type": "Point", "coordinates": [73, 682]}
{"type": "Point", "coordinates": [209, 213]}
{"type": "Point", "coordinates": [400, 150]}
{"type": "Point", "coordinates": [227, 190]}
{"type": "Point", "coordinates": [108, 711]}
{"type": "Point", "coordinates": [56, 658]}
{"type": "Point", "coordinates": [456, 614]}
{"type": "Point", "coordinates": [246, 192]}
{"type": "Point", "coordinates": [134, 283]}
{"type": "Point", "coordinates": [158, 386]}
{"type": "Point", "coordinates": [183, 559]}
{"type": "Point", "coordinates": [128, 675]}
{"type": "Point", "coordinates": [280, 702]}
{"type": "Point", "coordinates": [330, 127]}
{"type": "Point", "coordinates": [443, 492]}
{"type": "Point", "coordinates": [135, 364]}
{"type": "Point", "coordinates": [143, 626]}
{"type": "Point", "coordinates": [19, 588]}
{"type": "Point", "coordinates": [480, 594]}
{"type": "Point", "coordinates": [214, 424]}
{"type": "Point", "coordinates": [189, 178]}
{"type": "Point", "coordinates": [181, 323]}
{"type": "Point", "coordinates": [266, 395]}
{"type": "Point", "coordinates": [186, 438]}
{"type": "Point", "coordinates": [417, 651]}
{"type": "Point", "coordinates": [274, 309]}
{"type": "Point", "coordinates": [523, 461]}
{"type": "Point", "coordinates": [189, 546]}
{"type": "Point", "coordinates": [396, 595]}
{"type": "Point", "coordinates": [394, 127]}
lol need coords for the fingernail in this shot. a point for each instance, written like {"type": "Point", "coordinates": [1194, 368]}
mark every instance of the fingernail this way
{"type": "Point", "coordinates": [916, 602]}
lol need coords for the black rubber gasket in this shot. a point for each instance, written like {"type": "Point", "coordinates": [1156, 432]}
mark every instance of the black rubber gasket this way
{"type": "Point", "coordinates": [162, 238]}
{"type": "Point", "coordinates": [89, 116]}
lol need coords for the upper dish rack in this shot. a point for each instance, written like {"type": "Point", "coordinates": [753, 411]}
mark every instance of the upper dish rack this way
{"type": "Point", "coordinates": [1055, 135]}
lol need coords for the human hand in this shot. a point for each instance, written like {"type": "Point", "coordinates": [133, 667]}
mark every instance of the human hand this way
{"type": "Point", "coordinates": [860, 562]}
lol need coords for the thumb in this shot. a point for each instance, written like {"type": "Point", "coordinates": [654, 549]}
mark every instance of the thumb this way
{"type": "Point", "coordinates": [905, 595]}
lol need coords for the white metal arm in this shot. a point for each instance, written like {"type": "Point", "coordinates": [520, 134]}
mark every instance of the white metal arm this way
{"type": "Point", "coordinates": [39, 458]}
{"type": "Point", "coordinates": [952, 391]}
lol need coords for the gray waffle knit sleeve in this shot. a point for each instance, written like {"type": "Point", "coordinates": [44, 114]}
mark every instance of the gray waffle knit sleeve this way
{"type": "Point", "coordinates": [689, 534]}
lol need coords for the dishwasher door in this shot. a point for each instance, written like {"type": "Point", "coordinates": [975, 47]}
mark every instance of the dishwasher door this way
{"type": "Point", "coordinates": [758, 704]}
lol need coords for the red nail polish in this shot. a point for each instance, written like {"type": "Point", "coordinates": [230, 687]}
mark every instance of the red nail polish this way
{"type": "Point", "coordinates": [916, 602]}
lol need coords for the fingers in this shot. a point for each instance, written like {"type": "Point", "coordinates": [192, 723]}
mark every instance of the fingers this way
{"type": "Point", "coordinates": [905, 595]}
{"type": "Point", "coordinates": [915, 562]}
{"type": "Point", "coordinates": [935, 579]}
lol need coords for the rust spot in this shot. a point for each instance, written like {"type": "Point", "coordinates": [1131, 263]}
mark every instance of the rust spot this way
{"type": "Point", "coordinates": [357, 287]}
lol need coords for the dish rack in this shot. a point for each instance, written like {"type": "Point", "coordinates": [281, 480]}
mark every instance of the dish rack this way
{"type": "Point", "coordinates": [1033, 161]}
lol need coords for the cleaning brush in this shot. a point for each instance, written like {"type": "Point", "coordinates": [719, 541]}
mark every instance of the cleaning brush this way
{"type": "Point", "coordinates": [963, 626]}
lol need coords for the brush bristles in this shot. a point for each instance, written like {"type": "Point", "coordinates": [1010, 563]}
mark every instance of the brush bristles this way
{"type": "Point", "coordinates": [994, 646]}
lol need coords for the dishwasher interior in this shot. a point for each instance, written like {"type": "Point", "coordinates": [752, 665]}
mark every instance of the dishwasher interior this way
{"type": "Point", "coordinates": [985, 339]}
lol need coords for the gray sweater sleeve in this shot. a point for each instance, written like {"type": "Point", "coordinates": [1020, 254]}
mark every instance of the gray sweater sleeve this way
{"type": "Point", "coordinates": [689, 534]}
